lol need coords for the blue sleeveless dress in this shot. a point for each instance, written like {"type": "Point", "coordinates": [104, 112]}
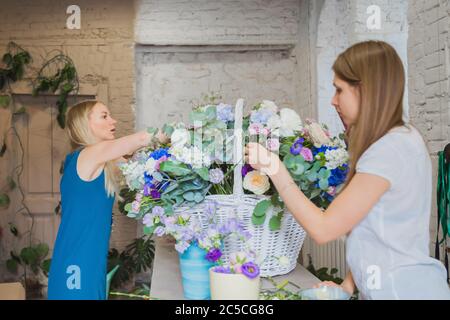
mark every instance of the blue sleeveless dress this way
{"type": "Point", "coordinates": [79, 262]}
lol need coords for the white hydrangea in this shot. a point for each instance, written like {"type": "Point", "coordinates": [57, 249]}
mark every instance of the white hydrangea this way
{"type": "Point", "coordinates": [335, 158]}
{"type": "Point", "coordinates": [193, 156]}
{"type": "Point", "coordinates": [290, 122]}
{"type": "Point", "coordinates": [134, 174]}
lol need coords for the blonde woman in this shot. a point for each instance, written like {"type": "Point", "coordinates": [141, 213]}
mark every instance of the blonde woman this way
{"type": "Point", "coordinates": [385, 205]}
{"type": "Point", "coordinates": [88, 189]}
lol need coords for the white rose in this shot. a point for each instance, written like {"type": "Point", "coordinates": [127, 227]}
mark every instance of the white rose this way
{"type": "Point", "coordinates": [267, 104]}
{"type": "Point", "coordinates": [256, 182]}
{"type": "Point", "coordinates": [317, 134]}
{"type": "Point", "coordinates": [179, 137]}
{"type": "Point", "coordinates": [290, 122]}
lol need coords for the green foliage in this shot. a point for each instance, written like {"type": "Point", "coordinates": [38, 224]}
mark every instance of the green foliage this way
{"type": "Point", "coordinates": [137, 257]}
{"type": "Point", "coordinates": [32, 257]}
{"type": "Point", "coordinates": [64, 80]}
{"type": "Point", "coordinates": [323, 274]}
{"type": "Point", "coordinates": [15, 61]}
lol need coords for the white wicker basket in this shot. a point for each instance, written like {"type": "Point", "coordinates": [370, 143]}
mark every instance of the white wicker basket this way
{"type": "Point", "coordinates": [269, 245]}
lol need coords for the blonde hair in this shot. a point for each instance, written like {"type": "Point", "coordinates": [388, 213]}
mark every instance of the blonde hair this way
{"type": "Point", "coordinates": [80, 135]}
{"type": "Point", "coordinates": [376, 69]}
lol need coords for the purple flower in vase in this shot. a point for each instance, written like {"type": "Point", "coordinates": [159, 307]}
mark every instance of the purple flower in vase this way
{"type": "Point", "coordinates": [250, 269]}
{"type": "Point", "coordinates": [246, 169]}
{"type": "Point", "coordinates": [222, 269]}
{"type": "Point", "coordinates": [213, 255]}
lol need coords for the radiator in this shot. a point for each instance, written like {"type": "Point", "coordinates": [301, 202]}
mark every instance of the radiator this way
{"type": "Point", "coordinates": [330, 255]}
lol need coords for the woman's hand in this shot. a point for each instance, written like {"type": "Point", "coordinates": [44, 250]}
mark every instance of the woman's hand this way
{"type": "Point", "coordinates": [334, 284]}
{"type": "Point", "coordinates": [262, 159]}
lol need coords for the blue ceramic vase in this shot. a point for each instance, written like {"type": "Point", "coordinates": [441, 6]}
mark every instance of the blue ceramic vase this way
{"type": "Point", "coordinates": [195, 273]}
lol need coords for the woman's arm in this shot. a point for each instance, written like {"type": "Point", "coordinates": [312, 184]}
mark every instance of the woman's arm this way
{"type": "Point", "coordinates": [347, 210]}
{"type": "Point", "coordinates": [93, 157]}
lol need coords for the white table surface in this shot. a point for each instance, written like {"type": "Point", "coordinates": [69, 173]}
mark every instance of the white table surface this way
{"type": "Point", "coordinates": [166, 276]}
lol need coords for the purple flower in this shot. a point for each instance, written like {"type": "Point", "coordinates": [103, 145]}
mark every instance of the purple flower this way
{"type": "Point", "coordinates": [147, 189]}
{"type": "Point", "coordinates": [297, 146]}
{"type": "Point", "coordinates": [246, 169]}
{"type": "Point", "coordinates": [159, 231]}
{"type": "Point", "coordinates": [158, 211]}
{"type": "Point", "coordinates": [222, 269]}
{"type": "Point", "coordinates": [216, 176]}
{"type": "Point", "coordinates": [213, 255]}
{"type": "Point", "coordinates": [155, 194]}
{"type": "Point", "coordinates": [250, 269]}
{"type": "Point", "coordinates": [148, 220]}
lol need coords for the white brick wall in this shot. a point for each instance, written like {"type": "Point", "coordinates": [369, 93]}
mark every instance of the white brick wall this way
{"type": "Point", "coordinates": [429, 65]}
{"type": "Point", "coordinates": [343, 23]}
{"type": "Point", "coordinates": [209, 22]}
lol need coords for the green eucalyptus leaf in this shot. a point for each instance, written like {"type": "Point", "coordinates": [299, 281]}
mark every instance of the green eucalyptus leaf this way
{"type": "Point", "coordinates": [323, 184]}
{"type": "Point", "coordinates": [198, 197]}
{"type": "Point", "coordinates": [261, 208]}
{"type": "Point", "coordinates": [275, 223]}
{"type": "Point", "coordinates": [176, 168]}
{"type": "Point", "coordinates": [258, 220]}
{"type": "Point", "coordinates": [298, 169]}
{"type": "Point", "coordinates": [172, 186]}
{"type": "Point", "coordinates": [203, 173]}
{"type": "Point", "coordinates": [189, 196]}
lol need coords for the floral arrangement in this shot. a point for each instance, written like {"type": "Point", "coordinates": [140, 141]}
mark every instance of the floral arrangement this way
{"type": "Point", "coordinates": [186, 229]}
{"type": "Point", "coordinates": [240, 263]}
{"type": "Point", "coordinates": [196, 162]}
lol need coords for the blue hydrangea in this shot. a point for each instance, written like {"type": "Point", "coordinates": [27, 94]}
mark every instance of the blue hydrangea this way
{"type": "Point", "coordinates": [159, 153]}
{"type": "Point", "coordinates": [261, 116]}
{"type": "Point", "coordinates": [338, 176]}
{"type": "Point", "coordinates": [225, 112]}
{"type": "Point", "coordinates": [323, 149]}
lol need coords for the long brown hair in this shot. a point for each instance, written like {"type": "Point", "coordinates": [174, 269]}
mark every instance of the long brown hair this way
{"type": "Point", "coordinates": [376, 69]}
{"type": "Point", "coordinates": [80, 136]}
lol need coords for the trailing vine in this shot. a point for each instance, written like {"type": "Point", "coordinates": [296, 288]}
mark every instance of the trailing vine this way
{"type": "Point", "coordinates": [63, 78]}
{"type": "Point", "coordinates": [58, 74]}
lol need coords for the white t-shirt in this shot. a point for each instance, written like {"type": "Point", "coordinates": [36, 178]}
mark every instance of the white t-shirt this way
{"type": "Point", "coordinates": [388, 251]}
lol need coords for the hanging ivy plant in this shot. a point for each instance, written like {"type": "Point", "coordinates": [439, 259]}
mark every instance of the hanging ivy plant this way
{"type": "Point", "coordinates": [15, 61]}
{"type": "Point", "coordinates": [58, 75]}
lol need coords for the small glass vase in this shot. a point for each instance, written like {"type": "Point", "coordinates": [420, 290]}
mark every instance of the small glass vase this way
{"type": "Point", "coordinates": [194, 273]}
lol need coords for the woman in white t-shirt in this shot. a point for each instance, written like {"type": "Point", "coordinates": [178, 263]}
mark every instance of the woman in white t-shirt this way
{"type": "Point", "coordinates": [385, 205]}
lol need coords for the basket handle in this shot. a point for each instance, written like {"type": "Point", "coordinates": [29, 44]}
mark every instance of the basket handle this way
{"type": "Point", "coordinates": [238, 148]}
